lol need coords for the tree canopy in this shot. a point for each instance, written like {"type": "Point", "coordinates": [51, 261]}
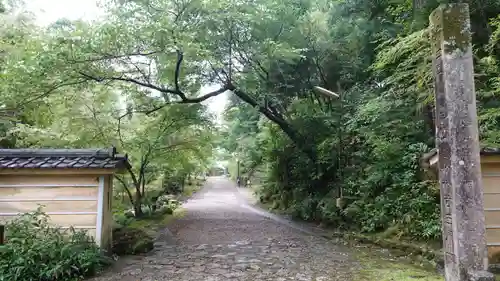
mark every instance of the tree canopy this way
{"type": "Point", "coordinates": [133, 80]}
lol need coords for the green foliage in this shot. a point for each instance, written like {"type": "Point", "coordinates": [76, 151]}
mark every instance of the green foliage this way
{"type": "Point", "coordinates": [131, 235]}
{"type": "Point", "coordinates": [35, 250]}
{"type": "Point", "coordinates": [131, 241]}
{"type": "Point", "coordinates": [368, 144]}
{"type": "Point", "coordinates": [133, 80]}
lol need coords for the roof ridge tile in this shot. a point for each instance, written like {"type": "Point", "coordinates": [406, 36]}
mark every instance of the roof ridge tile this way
{"type": "Point", "coordinates": [62, 158]}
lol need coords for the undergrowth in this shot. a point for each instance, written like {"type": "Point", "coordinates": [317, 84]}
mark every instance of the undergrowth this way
{"type": "Point", "coordinates": [36, 250]}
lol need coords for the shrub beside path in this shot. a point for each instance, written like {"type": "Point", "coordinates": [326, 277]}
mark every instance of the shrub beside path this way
{"type": "Point", "coordinates": [221, 237]}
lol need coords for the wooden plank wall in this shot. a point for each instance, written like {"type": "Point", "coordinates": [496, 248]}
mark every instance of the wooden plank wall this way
{"type": "Point", "coordinates": [490, 170]}
{"type": "Point", "coordinates": [491, 189]}
{"type": "Point", "coordinates": [69, 200]}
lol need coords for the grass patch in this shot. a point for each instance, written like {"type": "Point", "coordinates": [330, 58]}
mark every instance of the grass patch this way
{"type": "Point", "coordinates": [152, 223]}
{"type": "Point", "coordinates": [382, 264]}
{"type": "Point", "coordinates": [376, 267]}
{"type": "Point", "coordinates": [396, 272]}
{"type": "Point", "coordinates": [137, 237]}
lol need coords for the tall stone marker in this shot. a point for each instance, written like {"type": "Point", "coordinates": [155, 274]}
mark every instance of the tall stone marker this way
{"type": "Point", "coordinates": [465, 252]}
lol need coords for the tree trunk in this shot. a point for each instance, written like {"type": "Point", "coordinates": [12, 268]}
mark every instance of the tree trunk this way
{"type": "Point", "coordinates": [138, 204]}
{"type": "Point", "coordinates": [129, 194]}
{"type": "Point", "coordinates": [183, 183]}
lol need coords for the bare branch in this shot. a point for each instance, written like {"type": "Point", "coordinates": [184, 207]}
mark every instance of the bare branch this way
{"type": "Point", "coordinates": [49, 91]}
{"type": "Point", "coordinates": [177, 74]}
{"type": "Point", "coordinates": [177, 91]}
{"type": "Point", "coordinates": [246, 60]}
{"type": "Point", "coordinates": [129, 80]}
{"type": "Point", "coordinates": [111, 56]}
{"type": "Point", "coordinates": [146, 77]}
{"type": "Point", "coordinates": [96, 121]}
{"type": "Point", "coordinates": [254, 63]}
{"type": "Point", "coordinates": [124, 184]}
{"type": "Point", "coordinates": [292, 133]}
{"type": "Point", "coordinates": [181, 11]}
{"type": "Point", "coordinates": [134, 180]}
{"type": "Point", "coordinates": [279, 32]}
{"type": "Point", "coordinates": [193, 100]}
{"type": "Point", "coordinates": [217, 72]}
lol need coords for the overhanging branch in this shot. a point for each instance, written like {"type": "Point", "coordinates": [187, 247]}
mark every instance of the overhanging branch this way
{"type": "Point", "coordinates": [147, 84]}
{"type": "Point", "coordinates": [106, 56]}
{"type": "Point", "coordinates": [49, 91]}
{"type": "Point", "coordinates": [129, 80]}
{"type": "Point", "coordinates": [291, 132]}
{"type": "Point", "coordinates": [180, 57]}
{"type": "Point", "coordinates": [189, 100]}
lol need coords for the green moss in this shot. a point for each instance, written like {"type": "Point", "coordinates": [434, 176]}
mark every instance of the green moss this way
{"type": "Point", "coordinates": [136, 238]}
{"type": "Point", "coordinates": [450, 23]}
{"type": "Point", "coordinates": [131, 241]}
{"type": "Point", "coordinates": [142, 246]}
{"type": "Point", "coordinates": [392, 272]}
{"type": "Point", "coordinates": [151, 225]}
{"type": "Point", "coordinates": [377, 267]}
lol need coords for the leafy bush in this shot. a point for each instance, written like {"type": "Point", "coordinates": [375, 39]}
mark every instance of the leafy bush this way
{"type": "Point", "coordinates": [131, 241]}
{"type": "Point", "coordinates": [36, 250]}
{"type": "Point", "coordinates": [328, 211]}
{"type": "Point", "coordinates": [383, 179]}
{"type": "Point", "coordinates": [173, 185]}
{"type": "Point", "coordinates": [167, 201]}
{"type": "Point", "coordinates": [122, 219]}
{"type": "Point", "coordinates": [130, 234]}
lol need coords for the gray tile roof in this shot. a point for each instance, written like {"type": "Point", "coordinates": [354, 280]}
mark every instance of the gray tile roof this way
{"type": "Point", "coordinates": [61, 159]}
{"type": "Point", "coordinates": [483, 151]}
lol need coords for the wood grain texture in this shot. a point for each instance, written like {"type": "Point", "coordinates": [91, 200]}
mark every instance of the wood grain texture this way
{"type": "Point", "coordinates": [49, 206]}
{"type": "Point", "coordinates": [48, 179]}
{"type": "Point", "coordinates": [494, 254]}
{"type": "Point", "coordinates": [492, 218]}
{"type": "Point", "coordinates": [47, 193]}
{"type": "Point", "coordinates": [64, 220]}
{"type": "Point", "coordinates": [491, 200]}
{"type": "Point", "coordinates": [491, 185]}
{"type": "Point", "coordinates": [493, 235]}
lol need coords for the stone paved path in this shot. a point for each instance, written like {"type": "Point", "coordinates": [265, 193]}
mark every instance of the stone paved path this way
{"type": "Point", "coordinates": [222, 238]}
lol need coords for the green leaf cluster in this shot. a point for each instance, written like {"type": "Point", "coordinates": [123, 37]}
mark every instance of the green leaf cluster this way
{"type": "Point", "coordinates": [36, 250]}
{"type": "Point", "coordinates": [368, 144]}
{"type": "Point", "coordinates": [133, 80]}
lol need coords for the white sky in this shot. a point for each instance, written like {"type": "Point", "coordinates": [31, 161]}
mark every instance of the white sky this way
{"type": "Point", "coordinates": [48, 11]}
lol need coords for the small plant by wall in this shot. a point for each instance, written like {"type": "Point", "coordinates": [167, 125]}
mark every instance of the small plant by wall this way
{"type": "Point", "coordinates": [36, 250]}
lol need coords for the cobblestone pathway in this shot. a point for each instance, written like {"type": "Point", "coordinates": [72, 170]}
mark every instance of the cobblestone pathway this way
{"type": "Point", "coordinates": [221, 238]}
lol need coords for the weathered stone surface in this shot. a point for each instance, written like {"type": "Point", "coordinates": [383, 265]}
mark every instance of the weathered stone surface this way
{"type": "Point", "coordinates": [480, 276]}
{"type": "Point", "coordinates": [218, 239]}
{"type": "Point", "coordinates": [457, 141]}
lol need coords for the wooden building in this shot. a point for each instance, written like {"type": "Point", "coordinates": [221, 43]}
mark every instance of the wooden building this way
{"type": "Point", "coordinates": [73, 185]}
{"type": "Point", "coordinates": [490, 170]}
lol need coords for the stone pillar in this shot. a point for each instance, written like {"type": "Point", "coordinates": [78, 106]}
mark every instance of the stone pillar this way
{"type": "Point", "coordinates": [465, 252]}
